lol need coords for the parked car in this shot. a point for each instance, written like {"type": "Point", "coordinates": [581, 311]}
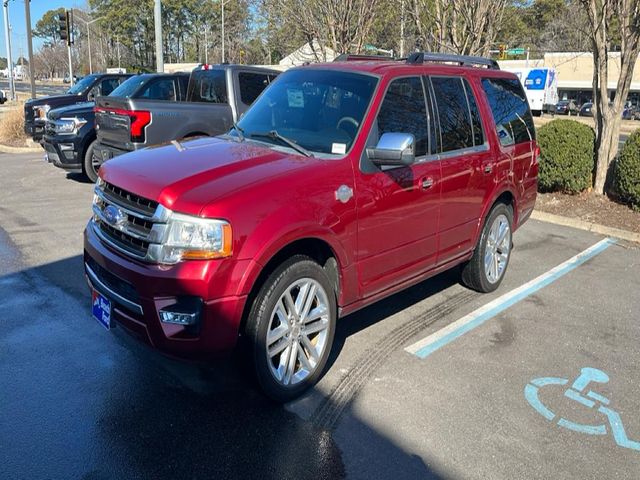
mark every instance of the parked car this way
{"type": "Point", "coordinates": [216, 97]}
{"type": "Point", "coordinates": [567, 107]}
{"type": "Point", "coordinates": [67, 79]}
{"type": "Point", "coordinates": [3, 97]}
{"type": "Point", "coordinates": [586, 110]}
{"type": "Point", "coordinates": [70, 133]}
{"type": "Point", "coordinates": [631, 112]}
{"type": "Point", "coordinates": [87, 89]}
{"type": "Point", "coordinates": [343, 184]}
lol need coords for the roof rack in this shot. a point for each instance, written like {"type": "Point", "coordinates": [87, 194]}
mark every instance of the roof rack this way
{"type": "Point", "coordinates": [349, 57]}
{"type": "Point", "coordinates": [465, 60]}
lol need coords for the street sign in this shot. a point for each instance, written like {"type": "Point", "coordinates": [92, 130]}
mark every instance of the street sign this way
{"type": "Point", "coordinates": [515, 51]}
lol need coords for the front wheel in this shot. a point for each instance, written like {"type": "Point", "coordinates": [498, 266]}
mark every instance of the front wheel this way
{"type": "Point", "coordinates": [291, 327]}
{"type": "Point", "coordinates": [486, 269]}
{"type": "Point", "coordinates": [90, 164]}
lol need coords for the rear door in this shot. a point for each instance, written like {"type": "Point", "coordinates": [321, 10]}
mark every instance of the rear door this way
{"type": "Point", "coordinates": [398, 207]}
{"type": "Point", "coordinates": [514, 128]}
{"type": "Point", "coordinates": [466, 160]}
{"type": "Point", "coordinates": [210, 87]}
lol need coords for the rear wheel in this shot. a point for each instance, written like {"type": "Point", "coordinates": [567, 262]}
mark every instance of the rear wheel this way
{"type": "Point", "coordinates": [90, 164]}
{"type": "Point", "coordinates": [291, 327]}
{"type": "Point", "coordinates": [488, 265]}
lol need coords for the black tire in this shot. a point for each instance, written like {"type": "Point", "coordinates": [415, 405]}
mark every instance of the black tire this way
{"type": "Point", "coordinates": [87, 165]}
{"type": "Point", "coordinates": [474, 274]}
{"type": "Point", "coordinates": [260, 319]}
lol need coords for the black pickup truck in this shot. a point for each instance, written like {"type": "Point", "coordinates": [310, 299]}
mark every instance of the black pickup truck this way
{"type": "Point", "coordinates": [70, 133]}
{"type": "Point", "coordinates": [86, 90]}
{"type": "Point", "coordinates": [216, 97]}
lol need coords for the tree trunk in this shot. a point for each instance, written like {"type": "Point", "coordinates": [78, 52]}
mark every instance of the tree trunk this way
{"type": "Point", "coordinates": [606, 146]}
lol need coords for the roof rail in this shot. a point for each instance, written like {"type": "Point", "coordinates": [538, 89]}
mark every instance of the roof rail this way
{"type": "Point", "coordinates": [465, 60]}
{"type": "Point", "coordinates": [349, 57]}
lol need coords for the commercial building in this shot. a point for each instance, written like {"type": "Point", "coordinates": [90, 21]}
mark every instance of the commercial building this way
{"type": "Point", "coordinates": [575, 74]}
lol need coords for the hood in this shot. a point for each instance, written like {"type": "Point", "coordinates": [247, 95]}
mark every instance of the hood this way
{"type": "Point", "coordinates": [79, 109]}
{"type": "Point", "coordinates": [186, 176]}
{"type": "Point", "coordinates": [56, 100]}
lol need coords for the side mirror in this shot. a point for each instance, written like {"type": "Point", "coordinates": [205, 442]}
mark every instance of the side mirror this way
{"type": "Point", "coordinates": [393, 149]}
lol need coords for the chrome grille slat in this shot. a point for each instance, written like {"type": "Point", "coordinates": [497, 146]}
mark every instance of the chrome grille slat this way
{"type": "Point", "coordinates": [140, 225]}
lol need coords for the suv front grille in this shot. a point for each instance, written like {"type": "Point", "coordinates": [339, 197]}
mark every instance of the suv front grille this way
{"type": "Point", "coordinates": [127, 222]}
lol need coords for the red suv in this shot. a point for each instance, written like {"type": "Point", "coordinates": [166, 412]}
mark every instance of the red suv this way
{"type": "Point", "coordinates": [343, 184]}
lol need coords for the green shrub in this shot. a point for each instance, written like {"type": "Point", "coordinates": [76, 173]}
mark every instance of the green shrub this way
{"type": "Point", "coordinates": [627, 171]}
{"type": "Point", "coordinates": [567, 157]}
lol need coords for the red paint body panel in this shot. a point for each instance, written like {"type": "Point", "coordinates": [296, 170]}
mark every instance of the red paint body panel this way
{"type": "Point", "coordinates": [391, 234]}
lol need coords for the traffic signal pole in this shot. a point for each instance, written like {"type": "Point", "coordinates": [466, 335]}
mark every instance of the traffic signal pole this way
{"type": "Point", "coordinates": [27, 15]}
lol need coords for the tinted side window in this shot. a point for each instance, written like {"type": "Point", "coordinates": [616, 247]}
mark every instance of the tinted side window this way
{"type": "Point", "coordinates": [456, 128]}
{"type": "Point", "coordinates": [404, 111]}
{"type": "Point", "coordinates": [476, 122]}
{"type": "Point", "coordinates": [208, 86]}
{"type": "Point", "coordinates": [108, 85]}
{"type": "Point", "coordinates": [510, 110]}
{"type": "Point", "coordinates": [251, 86]}
{"type": "Point", "coordinates": [159, 89]}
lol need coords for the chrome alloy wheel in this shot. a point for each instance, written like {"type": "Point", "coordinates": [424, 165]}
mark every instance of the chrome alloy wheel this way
{"type": "Point", "coordinates": [298, 329]}
{"type": "Point", "coordinates": [496, 254]}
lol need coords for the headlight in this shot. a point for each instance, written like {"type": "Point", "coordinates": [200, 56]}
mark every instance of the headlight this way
{"type": "Point", "coordinates": [41, 111]}
{"type": "Point", "coordinates": [66, 126]}
{"type": "Point", "coordinates": [194, 238]}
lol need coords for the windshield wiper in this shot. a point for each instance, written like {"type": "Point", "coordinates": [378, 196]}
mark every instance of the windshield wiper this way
{"type": "Point", "coordinates": [273, 134]}
{"type": "Point", "coordinates": [240, 131]}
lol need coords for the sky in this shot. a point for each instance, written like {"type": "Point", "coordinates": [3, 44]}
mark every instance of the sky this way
{"type": "Point", "coordinates": [18, 24]}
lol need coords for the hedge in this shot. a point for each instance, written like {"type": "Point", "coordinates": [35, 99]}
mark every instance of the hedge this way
{"type": "Point", "coordinates": [627, 171]}
{"type": "Point", "coordinates": [567, 158]}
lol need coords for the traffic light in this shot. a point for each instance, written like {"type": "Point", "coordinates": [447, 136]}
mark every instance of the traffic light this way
{"type": "Point", "coordinates": [502, 51]}
{"type": "Point", "coordinates": [64, 27]}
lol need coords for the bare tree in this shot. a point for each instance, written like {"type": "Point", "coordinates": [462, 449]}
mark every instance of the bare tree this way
{"type": "Point", "coordinates": [465, 27]}
{"type": "Point", "coordinates": [609, 20]}
{"type": "Point", "coordinates": [341, 25]}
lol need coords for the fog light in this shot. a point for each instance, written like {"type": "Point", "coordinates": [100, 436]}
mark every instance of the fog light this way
{"type": "Point", "coordinates": [178, 318]}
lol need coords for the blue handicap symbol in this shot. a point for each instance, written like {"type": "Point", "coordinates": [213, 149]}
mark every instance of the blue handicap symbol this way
{"type": "Point", "coordinates": [585, 396]}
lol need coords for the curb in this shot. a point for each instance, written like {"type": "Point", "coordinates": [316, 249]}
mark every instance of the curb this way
{"type": "Point", "coordinates": [588, 226]}
{"type": "Point", "coordinates": [8, 149]}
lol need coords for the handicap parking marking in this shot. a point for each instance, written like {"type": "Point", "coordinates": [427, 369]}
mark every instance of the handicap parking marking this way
{"type": "Point", "coordinates": [577, 393]}
{"type": "Point", "coordinates": [425, 347]}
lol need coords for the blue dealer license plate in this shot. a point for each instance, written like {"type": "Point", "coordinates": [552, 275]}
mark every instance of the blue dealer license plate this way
{"type": "Point", "coordinates": [101, 309]}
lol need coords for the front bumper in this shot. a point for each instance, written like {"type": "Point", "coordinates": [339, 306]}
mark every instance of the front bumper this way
{"type": "Point", "coordinates": [62, 154]}
{"type": "Point", "coordinates": [138, 291]}
{"type": "Point", "coordinates": [34, 129]}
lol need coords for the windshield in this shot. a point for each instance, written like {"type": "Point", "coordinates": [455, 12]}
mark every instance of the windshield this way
{"type": "Point", "coordinates": [82, 85]}
{"type": "Point", "coordinates": [129, 86]}
{"type": "Point", "coordinates": [320, 110]}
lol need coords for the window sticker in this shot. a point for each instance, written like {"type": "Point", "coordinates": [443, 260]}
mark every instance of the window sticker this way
{"type": "Point", "coordinates": [295, 98]}
{"type": "Point", "coordinates": [339, 148]}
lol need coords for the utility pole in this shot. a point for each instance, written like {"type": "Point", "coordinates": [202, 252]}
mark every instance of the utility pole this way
{"type": "Point", "coordinates": [206, 47]}
{"type": "Point", "coordinates": [69, 42]}
{"type": "Point", "coordinates": [402, 29]}
{"type": "Point", "coordinates": [222, 34]}
{"type": "Point", "coordinates": [27, 16]}
{"type": "Point", "coordinates": [7, 39]}
{"type": "Point", "coordinates": [157, 18]}
{"type": "Point", "coordinates": [88, 23]}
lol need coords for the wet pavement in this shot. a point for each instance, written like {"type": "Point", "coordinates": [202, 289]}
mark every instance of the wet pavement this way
{"type": "Point", "coordinates": [79, 402]}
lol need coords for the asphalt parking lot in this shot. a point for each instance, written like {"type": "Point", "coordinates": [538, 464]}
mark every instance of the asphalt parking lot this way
{"type": "Point", "coordinates": [538, 380]}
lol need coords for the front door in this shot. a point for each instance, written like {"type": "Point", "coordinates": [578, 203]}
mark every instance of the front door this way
{"type": "Point", "coordinates": [398, 207]}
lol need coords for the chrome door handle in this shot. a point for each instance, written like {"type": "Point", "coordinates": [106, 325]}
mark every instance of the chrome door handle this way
{"type": "Point", "coordinates": [427, 183]}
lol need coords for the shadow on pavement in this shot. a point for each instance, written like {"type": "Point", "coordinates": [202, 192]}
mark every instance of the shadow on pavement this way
{"type": "Point", "coordinates": [80, 402]}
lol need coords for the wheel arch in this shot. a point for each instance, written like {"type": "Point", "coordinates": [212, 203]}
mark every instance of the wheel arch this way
{"type": "Point", "coordinates": [502, 195]}
{"type": "Point", "coordinates": [314, 247]}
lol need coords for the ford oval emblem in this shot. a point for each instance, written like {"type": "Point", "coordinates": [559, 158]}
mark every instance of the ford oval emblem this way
{"type": "Point", "coordinates": [113, 215]}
